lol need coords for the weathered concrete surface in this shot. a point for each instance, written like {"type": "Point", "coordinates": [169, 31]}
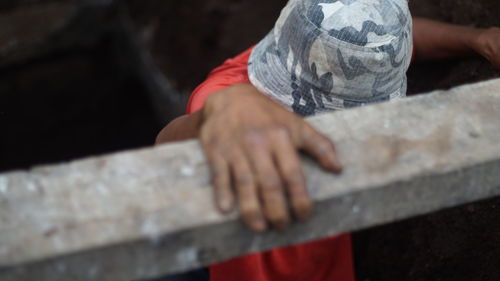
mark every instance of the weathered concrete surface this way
{"type": "Point", "coordinates": [145, 213]}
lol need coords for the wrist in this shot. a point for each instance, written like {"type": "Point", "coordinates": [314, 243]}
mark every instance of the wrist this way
{"type": "Point", "coordinates": [481, 43]}
{"type": "Point", "coordinates": [224, 99]}
{"type": "Point", "coordinates": [471, 39]}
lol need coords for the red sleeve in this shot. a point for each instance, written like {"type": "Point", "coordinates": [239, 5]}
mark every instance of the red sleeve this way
{"type": "Point", "coordinates": [233, 71]}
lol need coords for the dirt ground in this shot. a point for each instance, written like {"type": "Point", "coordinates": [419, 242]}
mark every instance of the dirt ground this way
{"type": "Point", "coordinates": [69, 106]}
{"type": "Point", "coordinates": [191, 37]}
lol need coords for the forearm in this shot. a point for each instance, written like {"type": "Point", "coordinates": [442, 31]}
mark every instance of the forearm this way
{"type": "Point", "coordinates": [435, 40]}
{"type": "Point", "coordinates": [183, 128]}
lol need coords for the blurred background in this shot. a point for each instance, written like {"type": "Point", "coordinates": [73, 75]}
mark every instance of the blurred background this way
{"type": "Point", "coordinates": [87, 77]}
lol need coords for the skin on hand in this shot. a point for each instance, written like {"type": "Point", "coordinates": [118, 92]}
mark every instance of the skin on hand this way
{"type": "Point", "coordinates": [488, 45]}
{"type": "Point", "coordinates": [252, 144]}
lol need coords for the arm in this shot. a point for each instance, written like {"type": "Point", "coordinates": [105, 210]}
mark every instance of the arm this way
{"type": "Point", "coordinates": [252, 145]}
{"type": "Point", "coordinates": [183, 128]}
{"type": "Point", "coordinates": [434, 40]}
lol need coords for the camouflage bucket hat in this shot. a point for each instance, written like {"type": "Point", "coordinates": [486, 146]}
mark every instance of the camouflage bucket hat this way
{"type": "Point", "coordinates": [325, 55]}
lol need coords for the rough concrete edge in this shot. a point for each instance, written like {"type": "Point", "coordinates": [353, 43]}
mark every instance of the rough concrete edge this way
{"type": "Point", "coordinates": [171, 253]}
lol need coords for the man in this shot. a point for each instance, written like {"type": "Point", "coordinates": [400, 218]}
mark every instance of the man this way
{"type": "Point", "coordinates": [322, 55]}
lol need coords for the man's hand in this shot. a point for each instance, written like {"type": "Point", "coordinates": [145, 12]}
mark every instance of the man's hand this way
{"type": "Point", "coordinates": [488, 45]}
{"type": "Point", "coordinates": [252, 144]}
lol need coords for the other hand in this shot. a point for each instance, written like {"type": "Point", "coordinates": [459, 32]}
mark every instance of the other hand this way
{"type": "Point", "coordinates": [489, 45]}
{"type": "Point", "coordinates": [252, 144]}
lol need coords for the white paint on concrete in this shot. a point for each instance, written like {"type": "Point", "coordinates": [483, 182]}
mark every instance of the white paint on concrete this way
{"type": "Point", "coordinates": [93, 271]}
{"type": "Point", "coordinates": [187, 171]}
{"type": "Point", "coordinates": [4, 187]}
{"type": "Point", "coordinates": [61, 267]}
{"type": "Point", "coordinates": [187, 256]}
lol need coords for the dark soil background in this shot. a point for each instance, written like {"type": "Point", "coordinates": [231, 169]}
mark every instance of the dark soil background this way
{"type": "Point", "coordinates": [189, 38]}
{"type": "Point", "coordinates": [202, 34]}
{"type": "Point", "coordinates": [71, 105]}
{"type": "Point", "coordinates": [79, 102]}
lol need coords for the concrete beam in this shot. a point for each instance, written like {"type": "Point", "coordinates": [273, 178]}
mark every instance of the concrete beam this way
{"type": "Point", "coordinates": [145, 213]}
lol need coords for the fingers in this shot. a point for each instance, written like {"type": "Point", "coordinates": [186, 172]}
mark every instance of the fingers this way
{"type": "Point", "coordinates": [320, 147]}
{"type": "Point", "coordinates": [267, 175]}
{"type": "Point", "coordinates": [221, 180]}
{"type": "Point", "coordinates": [288, 162]}
{"type": "Point", "coordinates": [271, 189]}
{"type": "Point", "coordinates": [246, 188]}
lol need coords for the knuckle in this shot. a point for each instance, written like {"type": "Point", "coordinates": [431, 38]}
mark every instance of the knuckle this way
{"type": "Point", "coordinates": [309, 134]}
{"type": "Point", "coordinates": [276, 214]}
{"type": "Point", "coordinates": [280, 221]}
{"type": "Point", "coordinates": [249, 211]}
{"type": "Point", "coordinates": [254, 139]}
{"type": "Point", "coordinates": [303, 212]}
{"type": "Point", "coordinates": [271, 186]}
{"type": "Point", "coordinates": [293, 175]}
{"type": "Point", "coordinates": [306, 127]}
{"type": "Point", "coordinates": [244, 180]}
{"type": "Point", "coordinates": [297, 184]}
{"type": "Point", "coordinates": [274, 199]}
{"type": "Point", "coordinates": [280, 133]}
{"type": "Point", "coordinates": [216, 172]}
{"type": "Point", "coordinates": [325, 146]}
{"type": "Point", "coordinates": [304, 205]}
{"type": "Point", "coordinates": [219, 177]}
{"type": "Point", "coordinates": [277, 128]}
{"type": "Point", "coordinates": [270, 178]}
{"type": "Point", "coordinates": [213, 142]}
{"type": "Point", "coordinates": [218, 169]}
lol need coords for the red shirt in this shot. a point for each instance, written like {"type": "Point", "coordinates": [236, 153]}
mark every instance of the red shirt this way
{"type": "Point", "coordinates": [329, 259]}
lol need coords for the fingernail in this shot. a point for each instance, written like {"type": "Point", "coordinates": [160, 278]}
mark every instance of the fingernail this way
{"type": "Point", "coordinates": [225, 202]}
{"type": "Point", "coordinates": [226, 205]}
{"type": "Point", "coordinates": [335, 165]}
{"type": "Point", "coordinates": [305, 216]}
{"type": "Point", "coordinates": [339, 168]}
{"type": "Point", "coordinates": [282, 226]}
{"type": "Point", "coordinates": [259, 225]}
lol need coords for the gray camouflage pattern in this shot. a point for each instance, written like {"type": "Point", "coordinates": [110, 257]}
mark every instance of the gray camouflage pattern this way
{"type": "Point", "coordinates": [325, 55]}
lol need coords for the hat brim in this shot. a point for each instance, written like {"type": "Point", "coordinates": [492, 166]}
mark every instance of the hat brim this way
{"type": "Point", "coordinates": [270, 76]}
